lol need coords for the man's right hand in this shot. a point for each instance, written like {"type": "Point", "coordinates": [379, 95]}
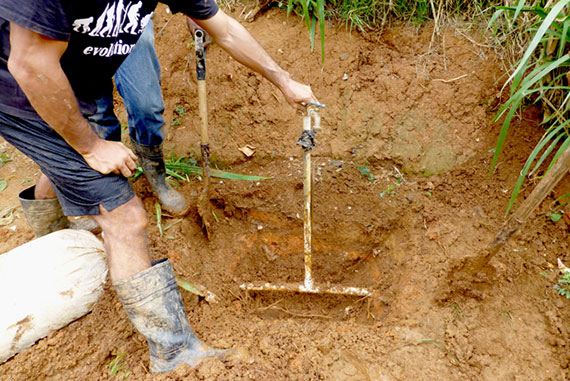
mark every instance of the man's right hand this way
{"type": "Point", "coordinates": [111, 157]}
{"type": "Point", "coordinates": [35, 63]}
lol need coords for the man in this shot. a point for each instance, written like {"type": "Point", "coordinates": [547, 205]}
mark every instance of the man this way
{"type": "Point", "coordinates": [56, 60]}
{"type": "Point", "coordinates": [138, 82]}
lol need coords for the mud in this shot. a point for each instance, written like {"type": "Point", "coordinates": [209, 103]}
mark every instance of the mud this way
{"type": "Point", "coordinates": [402, 189]}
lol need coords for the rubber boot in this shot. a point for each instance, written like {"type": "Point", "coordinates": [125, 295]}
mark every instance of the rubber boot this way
{"type": "Point", "coordinates": [154, 305]}
{"type": "Point", "coordinates": [46, 216]}
{"type": "Point", "coordinates": [151, 160]}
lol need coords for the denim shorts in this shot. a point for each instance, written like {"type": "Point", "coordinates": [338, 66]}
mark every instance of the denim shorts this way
{"type": "Point", "coordinates": [80, 189]}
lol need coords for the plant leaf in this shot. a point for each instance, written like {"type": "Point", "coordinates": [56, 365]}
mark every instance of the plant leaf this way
{"type": "Point", "coordinates": [519, 71]}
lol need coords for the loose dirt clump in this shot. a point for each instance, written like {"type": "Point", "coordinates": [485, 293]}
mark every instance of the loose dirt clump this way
{"type": "Point", "coordinates": [402, 188]}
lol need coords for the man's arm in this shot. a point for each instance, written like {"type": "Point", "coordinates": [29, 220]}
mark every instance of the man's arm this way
{"type": "Point", "coordinates": [35, 64]}
{"type": "Point", "coordinates": [240, 44]}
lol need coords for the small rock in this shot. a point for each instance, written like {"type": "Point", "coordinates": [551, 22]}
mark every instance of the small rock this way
{"type": "Point", "coordinates": [343, 56]}
{"type": "Point", "coordinates": [410, 197]}
{"type": "Point", "coordinates": [336, 163]}
{"type": "Point", "coordinates": [345, 77]}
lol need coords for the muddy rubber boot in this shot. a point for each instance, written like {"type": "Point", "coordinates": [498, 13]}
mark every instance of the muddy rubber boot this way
{"type": "Point", "coordinates": [43, 216]}
{"type": "Point", "coordinates": [154, 305]}
{"type": "Point", "coordinates": [46, 216]}
{"type": "Point", "coordinates": [151, 160]}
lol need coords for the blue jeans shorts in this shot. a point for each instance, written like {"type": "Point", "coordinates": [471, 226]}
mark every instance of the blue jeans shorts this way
{"type": "Point", "coordinates": [79, 188]}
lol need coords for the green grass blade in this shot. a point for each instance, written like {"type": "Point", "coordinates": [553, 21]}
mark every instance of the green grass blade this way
{"type": "Point", "coordinates": [544, 26]}
{"type": "Point", "coordinates": [521, 178]}
{"type": "Point", "coordinates": [545, 154]}
{"type": "Point", "coordinates": [504, 130]}
{"type": "Point", "coordinates": [289, 7]}
{"type": "Point", "coordinates": [559, 152]}
{"type": "Point", "coordinates": [195, 170]}
{"type": "Point", "coordinates": [158, 210]}
{"type": "Point", "coordinates": [518, 10]}
{"type": "Point", "coordinates": [494, 18]}
{"type": "Point", "coordinates": [535, 76]}
{"type": "Point", "coordinates": [321, 12]}
{"type": "Point", "coordinates": [553, 136]}
{"type": "Point", "coordinates": [563, 37]}
{"type": "Point", "coordinates": [305, 4]}
{"type": "Point", "coordinates": [236, 176]}
{"type": "Point", "coordinates": [312, 33]}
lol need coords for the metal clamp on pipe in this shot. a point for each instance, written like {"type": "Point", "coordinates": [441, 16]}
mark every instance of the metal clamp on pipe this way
{"type": "Point", "coordinates": [307, 140]}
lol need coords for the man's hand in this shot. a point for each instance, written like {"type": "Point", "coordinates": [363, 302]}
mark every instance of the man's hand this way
{"type": "Point", "coordinates": [108, 156]}
{"type": "Point", "coordinates": [35, 64]}
{"type": "Point", "coordinates": [240, 44]}
{"type": "Point", "coordinates": [297, 94]}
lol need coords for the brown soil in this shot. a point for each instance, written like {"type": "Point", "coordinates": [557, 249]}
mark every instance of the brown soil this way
{"type": "Point", "coordinates": [421, 122]}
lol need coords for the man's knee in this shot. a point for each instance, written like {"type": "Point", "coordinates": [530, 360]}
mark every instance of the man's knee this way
{"type": "Point", "coordinates": [129, 217]}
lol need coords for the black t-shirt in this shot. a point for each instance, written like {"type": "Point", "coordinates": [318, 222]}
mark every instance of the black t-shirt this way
{"type": "Point", "coordinates": [101, 33]}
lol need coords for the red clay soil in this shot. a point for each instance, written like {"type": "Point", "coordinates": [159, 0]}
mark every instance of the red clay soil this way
{"type": "Point", "coordinates": [421, 122]}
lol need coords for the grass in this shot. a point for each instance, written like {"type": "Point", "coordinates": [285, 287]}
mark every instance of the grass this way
{"type": "Point", "coordinates": [158, 210]}
{"type": "Point", "coordinates": [365, 172]}
{"type": "Point", "coordinates": [181, 168]}
{"type": "Point", "coordinates": [4, 158]}
{"type": "Point", "coordinates": [538, 77]}
{"type": "Point", "coordinates": [117, 367]}
{"type": "Point", "coordinates": [371, 15]}
{"type": "Point", "coordinates": [563, 286]}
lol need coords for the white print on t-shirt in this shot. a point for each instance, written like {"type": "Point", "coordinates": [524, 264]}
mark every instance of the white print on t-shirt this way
{"type": "Point", "coordinates": [117, 17]}
{"type": "Point", "coordinates": [82, 23]}
{"type": "Point", "coordinates": [116, 48]}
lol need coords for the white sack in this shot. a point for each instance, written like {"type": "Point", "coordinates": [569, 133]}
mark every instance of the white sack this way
{"type": "Point", "coordinates": [47, 283]}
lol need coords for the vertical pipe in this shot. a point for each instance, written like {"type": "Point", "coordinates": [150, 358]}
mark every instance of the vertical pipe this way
{"type": "Point", "coordinates": [307, 216]}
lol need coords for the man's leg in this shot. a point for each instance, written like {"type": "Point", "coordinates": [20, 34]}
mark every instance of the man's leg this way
{"type": "Point", "coordinates": [149, 293]}
{"type": "Point", "coordinates": [44, 189]}
{"type": "Point", "coordinates": [124, 229]}
{"type": "Point", "coordinates": [138, 82]}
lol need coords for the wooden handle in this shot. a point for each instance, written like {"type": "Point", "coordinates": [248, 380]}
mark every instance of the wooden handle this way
{"type": "Point", "coordinates": [203, 109]}
{"type": "Point", "coordinates": [543, 189]}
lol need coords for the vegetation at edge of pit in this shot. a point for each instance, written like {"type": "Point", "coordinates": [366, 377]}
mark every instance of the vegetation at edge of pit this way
{"type": "Point", "coordinates": [370, 15]}
{"type": "Point", "coordinates": [540, 77]}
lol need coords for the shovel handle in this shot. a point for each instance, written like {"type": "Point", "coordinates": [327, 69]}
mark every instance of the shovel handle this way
{"type": "Point", "coordinates": [203, 110]}
{"type": "Point", "coordinates": [200, 49]}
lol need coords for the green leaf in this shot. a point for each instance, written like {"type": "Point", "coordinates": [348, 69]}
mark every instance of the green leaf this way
{"type": "Point", "coordinates": [305, 4]}
{"type": "Point", "coordinates": [312, 33]}
{"type": "Point", "coordinates": [3, 184]}
{"type": "Point", "coordinates": [158, 210]}
{"type": "Point", "coordinates": [514, 101]}
{"type": "Point", "coordinates": [197, 289]}
{"type": "Point", "coordinates": [518, 10]}
{"type": "Point", "coordinates": [562, 42]}
{"type": "Point", "coordinates": [195, 170]}
{"type": "Point", "coordinates": [555, 217]}
{"type": "Point", "coordinates": [189, 287]}
{"type": "Point", "coordinates": [548, 20]}
{"type": "Point", "coordinates": [321, 12]}
{"type": "Point", "coordinates": [289, 7]}
{"type": "Point", "coordinates": [495, 16]}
